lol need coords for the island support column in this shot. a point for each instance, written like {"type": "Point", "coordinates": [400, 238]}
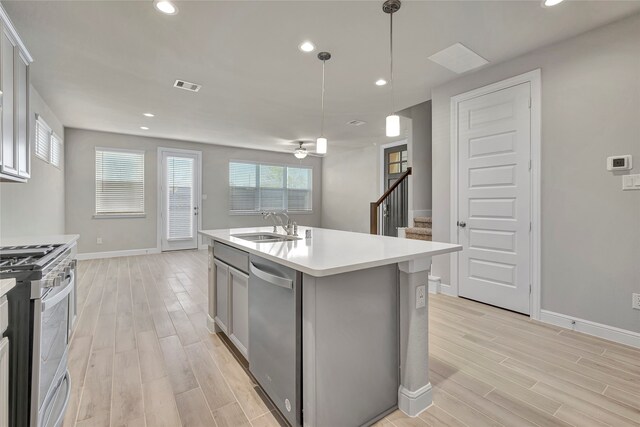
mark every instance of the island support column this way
{"type": "Point", "coordinates": [414, 394]}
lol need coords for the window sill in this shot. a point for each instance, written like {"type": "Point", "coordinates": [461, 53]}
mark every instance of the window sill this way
{"type": "Point", "coordinates": [118, 216]}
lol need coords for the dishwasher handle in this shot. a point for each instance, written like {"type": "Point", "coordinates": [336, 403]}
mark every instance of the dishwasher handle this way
{"type": "Point", "coordinates": [283, 282]}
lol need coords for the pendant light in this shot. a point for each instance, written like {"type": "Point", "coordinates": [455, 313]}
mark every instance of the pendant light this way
{"type": "Point", "coordinates": [393, 120]}
{"type": "Point", "coordinates": [321, 142]}
{"type": "Point", "coordinates": [300, 152]}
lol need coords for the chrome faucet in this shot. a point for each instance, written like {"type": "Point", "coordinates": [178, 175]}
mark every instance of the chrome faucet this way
{"type": "Point", "coordinates": [290, 227]}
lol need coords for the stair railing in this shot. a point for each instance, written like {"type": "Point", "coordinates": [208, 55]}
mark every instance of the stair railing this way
{"type": "Point", "coordinates": [391, 193]}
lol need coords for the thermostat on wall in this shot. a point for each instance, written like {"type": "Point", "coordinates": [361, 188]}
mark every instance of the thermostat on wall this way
{"type": "Point", "coordinates": [619, 163]}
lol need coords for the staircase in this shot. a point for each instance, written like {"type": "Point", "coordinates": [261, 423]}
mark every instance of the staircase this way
{"type": "Point", "coordinates": [421, 229]}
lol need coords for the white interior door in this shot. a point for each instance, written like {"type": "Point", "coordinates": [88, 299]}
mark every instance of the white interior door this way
{"type": "Point", "coordinates": [180, 199]}
{"type": "Point", "coordinates": [494, 188]}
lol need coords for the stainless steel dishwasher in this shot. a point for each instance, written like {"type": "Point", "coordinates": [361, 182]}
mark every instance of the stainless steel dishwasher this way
{"type": "Point", "coordinates": [275, 334]}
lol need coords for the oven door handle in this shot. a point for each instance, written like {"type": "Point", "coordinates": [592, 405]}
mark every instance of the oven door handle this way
{"type": "Point", "coordinates": [48, 302]}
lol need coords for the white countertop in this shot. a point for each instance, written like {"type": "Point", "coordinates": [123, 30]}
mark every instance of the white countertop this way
{"type": "Point", "coordinates": [330, 252]}
{"type": "Point", "coordinates": [6, 285]}
{"type": "Point", "coordinates": [59, 239]}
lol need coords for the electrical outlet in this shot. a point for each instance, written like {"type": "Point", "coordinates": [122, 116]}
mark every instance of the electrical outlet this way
{"type": "Point", "coordinates": [421, 297]}
{"type": "Point", "coordinates": [99, 240]}
{"type": "Point", "coordinates": [635, 301]}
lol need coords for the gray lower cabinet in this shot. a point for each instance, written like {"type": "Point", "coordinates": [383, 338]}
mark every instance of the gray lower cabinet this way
{"type": "Point", "coordinates": [221, 274]}
{"type": "Point", "coordinates": [239, 285]}
{"type": "Point", "coordinates": [4, 381]}
{"type": "Point", "coordinates": [229, 296]}
{"type": "Point", "coordinates": [15, 149]}
{"type": "Point", "coordinates": [4, 364]}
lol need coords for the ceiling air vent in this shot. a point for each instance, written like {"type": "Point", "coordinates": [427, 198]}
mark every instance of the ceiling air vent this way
{"type": "Point", "coordinates": [192, 87]}
{"type": "Point", "coordinates": [458, 58]}
{"type": "Point", "coordinates": [356, 123]}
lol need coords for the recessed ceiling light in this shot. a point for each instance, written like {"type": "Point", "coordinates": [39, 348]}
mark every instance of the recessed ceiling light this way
{"type": "Point", "coordinates": [144, 128]}
{"type": "Point", "coordinates": [166, 7]}
{"type": "Point", "coordinates": [381, 82]}
{"type": "Point", "coordinates": [149, 114]}
{"type": "Point", "coordinates": [307, 47]}
{"type": "Point", "coordinates": [550, 3]}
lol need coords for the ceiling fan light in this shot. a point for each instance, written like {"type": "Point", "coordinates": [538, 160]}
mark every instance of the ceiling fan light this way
{"type": "Point", "coordinates": [300, 153]}
{"type": "Point", "coordinates": [321, 145]}
{"type": "Point", "coordinates": [393, 125]}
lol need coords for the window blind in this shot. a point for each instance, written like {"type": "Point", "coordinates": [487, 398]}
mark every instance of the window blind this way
{"type": "Point", "coordinates": [258, 187]}
{"type": "Point", "coordinates": [180, 198]}
{"type": "Point", "coordinates": [119, 182]}
{"type": "Point", "coordinates": [42, 139]}
{"type": "Point", "coordinates": [56, 150]}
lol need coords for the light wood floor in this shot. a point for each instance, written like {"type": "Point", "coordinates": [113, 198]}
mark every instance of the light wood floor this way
{"type": "Point", "coordinates": [141, 355]}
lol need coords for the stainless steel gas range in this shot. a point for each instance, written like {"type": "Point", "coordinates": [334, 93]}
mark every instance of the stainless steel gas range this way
{"type": "Point", "coordinates": [41, 316]}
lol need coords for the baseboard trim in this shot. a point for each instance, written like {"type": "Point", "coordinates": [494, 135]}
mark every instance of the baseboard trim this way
{"type": "Point", "coordinates": [413, 403]}
{"type": "Point", "coordinates": [434, 284]}
{"type": "Point", "coordinates": [611, 333]}
{"type": "Point", "coordinates": [114, 254]}
{"type": "Point", "coordinates": [448, 290]}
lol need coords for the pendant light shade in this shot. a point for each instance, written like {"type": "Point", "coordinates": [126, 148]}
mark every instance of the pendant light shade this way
{"type": "Point", "coordinates": [321, 145]}
{"type": "Point", "coordinates": [393, 125]}
{"type": "Point", "coordinates": [321, 142]}
{"type": "Point", "coordinates": [300, 152]}
{"type": "Point", "coordinates": [393, 120]}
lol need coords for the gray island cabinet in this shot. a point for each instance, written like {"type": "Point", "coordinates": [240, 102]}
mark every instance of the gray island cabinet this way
{"type": "Point", "coordinates": [334, 326]}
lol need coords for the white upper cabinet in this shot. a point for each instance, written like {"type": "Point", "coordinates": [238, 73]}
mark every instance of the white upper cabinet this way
{"type": "Point", "coordinates": [15, 152]}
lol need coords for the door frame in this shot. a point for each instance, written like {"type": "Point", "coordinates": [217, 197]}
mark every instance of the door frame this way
{"type": "Point", "coordinates": [535, 80]}
{"type": "Point", "coordinates": [198, 191]}
{"type": "Point", "coordinates": [382, 147]}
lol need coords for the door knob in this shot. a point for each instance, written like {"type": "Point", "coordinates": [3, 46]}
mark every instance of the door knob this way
{"type": "Point", "coordinates": [462, 224]}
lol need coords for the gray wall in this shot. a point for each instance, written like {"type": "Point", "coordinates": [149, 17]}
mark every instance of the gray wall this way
{"type": "Point", "coordinates": [590, 228]}
{"type": "Point", "coordinates": [140, 233]}
{"type": "Point", "coordinates": [35, 207]}
{"type": "Point", "coordinates": [350, 180]}
{"type": "Point", "coordinates": [420, 116]}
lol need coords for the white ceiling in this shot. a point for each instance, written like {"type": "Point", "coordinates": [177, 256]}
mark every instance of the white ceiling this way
{"type": "Point", "coordinates": [101, 64]}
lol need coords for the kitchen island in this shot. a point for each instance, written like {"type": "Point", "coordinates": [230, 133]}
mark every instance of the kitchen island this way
{"type": "Point", "coordinates": [334, 326]}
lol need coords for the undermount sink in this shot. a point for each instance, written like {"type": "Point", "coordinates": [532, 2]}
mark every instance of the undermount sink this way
{"type": "Point", "coordinates": [265, 237]}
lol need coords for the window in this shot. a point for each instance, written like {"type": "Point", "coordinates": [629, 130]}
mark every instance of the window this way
{"type": "Point", "coordinates": [48, 145]}
{"type": "Point", "coordinates": [119, 182]}
{"type": "Point", "coordinates": [43, 139]}
{"type": "Point", "coordinates": [256, 187]}
{"type": "Point", "coordinates": [56, 150]}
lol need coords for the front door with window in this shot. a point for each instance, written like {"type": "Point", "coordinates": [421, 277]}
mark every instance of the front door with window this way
{"type": "Point", "coordinates": [180, 200]}
{"type": "Point", "coordinates": [494, 145]}
{"type": "Point", "coordinates": [395, 210]}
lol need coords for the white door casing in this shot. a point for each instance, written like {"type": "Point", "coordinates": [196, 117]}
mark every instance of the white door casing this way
{"type": "Point", "coordinates": [494, 194]}
{"type": "Point", "coordinates": [179, 198]}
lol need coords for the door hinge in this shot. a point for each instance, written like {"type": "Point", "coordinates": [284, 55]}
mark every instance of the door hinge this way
{"type": "Point", "coordinates": [529, 288]}
{"type": "Point", "coordinates": [529, 164]}
{"type": "Point", "coordinates": [530, 226]}
{"type": "Point", "coordinates": [529, 102]}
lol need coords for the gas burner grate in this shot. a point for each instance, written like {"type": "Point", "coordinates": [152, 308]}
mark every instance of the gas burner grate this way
{"type": "Point", "coordinates": [23, 257]}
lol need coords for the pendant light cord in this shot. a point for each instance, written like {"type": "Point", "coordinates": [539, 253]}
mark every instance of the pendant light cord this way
{"type": "Point", "coordinates": [393, 111]}
{"type": "Point", "coordinates": [322, 101]}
